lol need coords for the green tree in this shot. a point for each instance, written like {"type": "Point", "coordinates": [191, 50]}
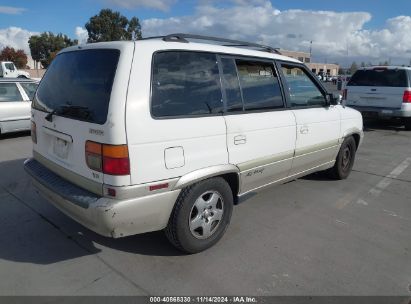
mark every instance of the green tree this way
{"type": "Point", "coordinates": [45, 46]}
{"type": "Point", "coordinates": [111, 26]}
{"type": "Point", "coordinates": [19, 57]}
{"type": "Point", "coordinates": [363, 64]}
{"type": "Point", "coordinates": [353, 68]}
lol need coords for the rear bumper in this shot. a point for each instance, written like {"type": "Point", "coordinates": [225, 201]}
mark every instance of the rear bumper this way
{"type": "Point", "coordinates": [105, 216]}
{"type": "Point", "coordinates": [377, 112]}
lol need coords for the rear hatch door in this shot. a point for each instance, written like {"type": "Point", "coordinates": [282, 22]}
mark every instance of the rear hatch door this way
{"type": "Point", "coordinates": [377, 87]}
{"type": "Point", "coordinates": [82, 98]}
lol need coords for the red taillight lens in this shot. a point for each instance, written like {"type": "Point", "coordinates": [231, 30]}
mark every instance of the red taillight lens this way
{"type": "Point", "coordinates": [116, 166]}
{"type": "Point", "coordinates": [406, 98]}
{"type": "Point", "coordinates": [344, 94]}
{"type": "Point", "coordinates": [109, 159]}
{"type": "Point", "coordinates": [33, 132]}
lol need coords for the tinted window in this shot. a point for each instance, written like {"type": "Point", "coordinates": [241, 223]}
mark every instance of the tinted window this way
{"type": "Point", "coordinates": [9, 92]}
{"type": "Point", "coordinates": [231, 85]}
{"type": "Point", "coordinates": [302, 90]}
{"type": "Point", "coordinates": [259, 85]}
{"type": "Point", "coordinates": [379, 77]}
{"type": "Point", "coordinates": [80, 78]}
{"type": "Point", "coordinates": [29, 88]}
{"type": "Point", "coordinates": [185, 83]}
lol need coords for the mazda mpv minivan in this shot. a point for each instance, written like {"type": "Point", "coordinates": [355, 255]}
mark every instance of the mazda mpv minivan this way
{"type": "Point", "coordinates": [166, 133]}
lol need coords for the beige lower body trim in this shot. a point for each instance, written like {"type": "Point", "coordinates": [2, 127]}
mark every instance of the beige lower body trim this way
{"type": "Point", "coordinates": [317, 147]}
{"type": "Point", "coordinates": [292, 177]}
{"type": "Point", "coordinates": [264, 161]}
{"type": "Point", "coordinates": [281, 167]}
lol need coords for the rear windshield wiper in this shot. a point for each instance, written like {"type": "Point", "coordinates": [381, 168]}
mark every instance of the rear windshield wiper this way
{"type": "Point", "coordinates": [66, 109]}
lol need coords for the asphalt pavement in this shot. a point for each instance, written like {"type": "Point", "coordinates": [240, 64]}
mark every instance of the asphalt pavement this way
{"type": "Point", "coordinates": [312, 236]}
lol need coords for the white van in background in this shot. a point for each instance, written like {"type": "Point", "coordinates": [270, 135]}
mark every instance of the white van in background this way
{"type": "Point", "coordinates": [381, 92]}
{"type": "Point", "coordinates": [164, 133]}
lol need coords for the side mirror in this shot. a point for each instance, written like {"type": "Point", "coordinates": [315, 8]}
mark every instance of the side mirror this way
{"type": "Point", "coordinates": [333, 99]}
{"type": "Point", "coordinates": [337, 98]}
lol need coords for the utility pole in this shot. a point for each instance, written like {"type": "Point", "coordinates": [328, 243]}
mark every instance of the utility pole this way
{"type": "Point", "coordinates": [311, 49]}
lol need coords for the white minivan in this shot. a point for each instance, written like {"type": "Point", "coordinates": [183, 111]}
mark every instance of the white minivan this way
{"type": "Point", "coordinates": [381, 92]}
{"type": "Point", "coordinates": [166, 133]}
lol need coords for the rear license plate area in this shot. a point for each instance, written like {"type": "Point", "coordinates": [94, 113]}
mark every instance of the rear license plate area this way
{"type": "Point", "coordinates": [369, 114]}
{"type": "Point", "coordinates": [60, 148]}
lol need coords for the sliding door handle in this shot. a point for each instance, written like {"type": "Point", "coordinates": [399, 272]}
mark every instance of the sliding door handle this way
{"type": "Point", "coordinates": [240, 140]}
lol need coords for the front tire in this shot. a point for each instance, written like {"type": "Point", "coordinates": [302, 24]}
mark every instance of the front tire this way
{"type": "Point", "coordinates": [201, 215]}
{"type": "Point", "coordinates": [345, 160]}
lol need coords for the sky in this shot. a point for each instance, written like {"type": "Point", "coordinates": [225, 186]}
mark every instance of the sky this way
{"type": "Point", "coordinates": [341, 31]}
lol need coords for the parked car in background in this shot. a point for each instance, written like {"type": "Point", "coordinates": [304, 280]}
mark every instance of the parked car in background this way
{"type": "Point", "coordinates": [9, 70]}
{"type": "Point", "coordinates": [381, 92]}
{"type": "Point", "coordinates": [169, 133]}
{"type": "Point", "coordinates": [15, 104]}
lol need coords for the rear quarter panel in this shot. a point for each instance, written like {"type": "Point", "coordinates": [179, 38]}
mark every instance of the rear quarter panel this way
{"type": "Point", "coordinates": [195, 142]}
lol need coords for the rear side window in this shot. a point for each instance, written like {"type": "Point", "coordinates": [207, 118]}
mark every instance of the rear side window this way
{"type": "Point", "coordinates": [259, 84]}
{"type": "Point", "coordinates": [30, 89]}
{"type": "Point", "coordinates": [9, 92]}
{"type": "Point", "coordinates": [379, 78]}
{"type": "Point", "coordinates": [185, 84]}
{"type": "Point", "coordinates": [81, 80]}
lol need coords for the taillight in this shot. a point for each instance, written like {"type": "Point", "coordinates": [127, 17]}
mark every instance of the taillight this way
{"type": "Point", "coordinates": [33, 132]}
{"type": "Point", "coordinates": [344, 94]}
{"type": "Point", "coordinates": [108, 159]}
{"type": "Point", "coordinates": [406, 98]}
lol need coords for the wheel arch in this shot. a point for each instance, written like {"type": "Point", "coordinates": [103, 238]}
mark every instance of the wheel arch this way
{"type": "Point", "coordinates": [230, 173]}
{"type": "Point", "coordinates": [356, 134]}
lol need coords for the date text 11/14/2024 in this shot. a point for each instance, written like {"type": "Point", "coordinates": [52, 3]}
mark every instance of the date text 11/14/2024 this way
{"type": "Point", "coordinates": [204, 299]}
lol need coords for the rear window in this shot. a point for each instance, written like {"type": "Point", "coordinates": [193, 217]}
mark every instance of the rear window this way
{"type": "Point", "coordinates": [185, 84]}
{"type": "Point", "coordinates": [82, 80]}
{"type": "Point", "coordinates": [29, 88]}
{"type": "Point", "coordinates": [379, 78]}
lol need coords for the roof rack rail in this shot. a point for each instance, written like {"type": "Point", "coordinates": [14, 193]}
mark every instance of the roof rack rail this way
{"type": "Point", "coordinates": [181, 37]}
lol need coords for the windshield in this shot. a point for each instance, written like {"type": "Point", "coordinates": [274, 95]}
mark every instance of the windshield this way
{"type": "Point", "coordinates": [79, 78]}
{"type": "Point", "coordinates": [379, 78]}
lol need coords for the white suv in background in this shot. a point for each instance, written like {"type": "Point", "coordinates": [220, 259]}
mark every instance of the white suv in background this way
{"type": "Point", "coordinates": [165, 133]}
{"type": "Point", "coordinates": [381, 92]}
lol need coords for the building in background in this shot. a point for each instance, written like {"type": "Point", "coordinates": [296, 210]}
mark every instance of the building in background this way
{"type": "Point", "coordinates": [317, 68]}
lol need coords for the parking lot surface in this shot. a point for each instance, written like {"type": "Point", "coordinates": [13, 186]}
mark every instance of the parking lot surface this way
{"type": "Point", "coordinates": [312, 236]}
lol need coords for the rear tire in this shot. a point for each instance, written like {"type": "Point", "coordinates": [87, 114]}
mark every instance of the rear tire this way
{"type": "Point", "coordinates": [345, 160]}
{"type": "Point", "coordinates": [201, 215]}
{"type": "Point", "coordinates": [407, 123]}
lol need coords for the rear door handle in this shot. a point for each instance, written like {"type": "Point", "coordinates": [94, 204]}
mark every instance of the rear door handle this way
{"type": "Point", "coordinates": [240, 140]}
{"type": "Point", "coordinates": [304, 130]}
